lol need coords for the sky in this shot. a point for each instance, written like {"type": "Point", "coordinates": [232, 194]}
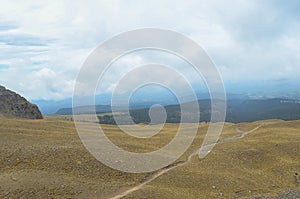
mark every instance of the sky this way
{"type": "Point", "coordinates": [255, 44]}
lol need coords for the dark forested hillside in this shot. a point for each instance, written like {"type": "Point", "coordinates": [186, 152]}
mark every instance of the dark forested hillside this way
{"type": "Point", "coordinates": [237, 111]}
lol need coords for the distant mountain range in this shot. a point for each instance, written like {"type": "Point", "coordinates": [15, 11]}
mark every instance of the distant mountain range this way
{"type": "Point", "coordinates": [55, 106]}
{"type": "Point", "coordinates": [238, 110]}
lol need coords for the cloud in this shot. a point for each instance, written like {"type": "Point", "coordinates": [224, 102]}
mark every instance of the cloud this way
{"type": "Point", "coordinates": [47, 42]}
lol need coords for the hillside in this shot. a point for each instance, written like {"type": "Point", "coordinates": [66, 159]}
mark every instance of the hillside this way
{"type": "Point", "coordinates": [14, 105]}
{"type": "Point", "coordinates": [237, 111]}
{"type": "Point", "coordinates": [51, 162]}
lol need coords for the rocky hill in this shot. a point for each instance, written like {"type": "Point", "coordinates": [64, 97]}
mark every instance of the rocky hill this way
{"type": "Point", "coordinates": [14, 105]}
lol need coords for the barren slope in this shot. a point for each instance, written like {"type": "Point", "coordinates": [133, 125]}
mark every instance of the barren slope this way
{"type": "Point", "coordinates": [45, 159]}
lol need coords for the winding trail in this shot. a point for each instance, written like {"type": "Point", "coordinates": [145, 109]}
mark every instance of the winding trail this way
{"type": "Point", "coordinates": [181, 163]}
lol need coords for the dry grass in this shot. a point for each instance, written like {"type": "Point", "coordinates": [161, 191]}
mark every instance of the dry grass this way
{"type": "Point", "coordinates": [262, 163]}
{"type": "Point", "coordinates": [45, 159]}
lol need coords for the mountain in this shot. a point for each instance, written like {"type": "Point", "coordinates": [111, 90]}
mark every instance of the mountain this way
{"type": "Point", "coordinates": [101, 109]}
{"type": "Point", "coordinates": [84, 110]}
{"type": "Point", "coordinates": [51, 106]}
{"type": "Point", "coordinates": [237, 111]}
{"type": "Point", "coordinates": [252, 110]}
{"type": "Point", "coordinates": [54, 106]}
{"type": "Point", "coordinates": [14, 105]}
{"type": "Point", "coordinates": [140, 100]}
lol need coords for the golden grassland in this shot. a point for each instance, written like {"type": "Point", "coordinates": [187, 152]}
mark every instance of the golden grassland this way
{"type": "Point", "coordinates": [45, 159]}
{"type": "Point", "coordinates": [262, 163]}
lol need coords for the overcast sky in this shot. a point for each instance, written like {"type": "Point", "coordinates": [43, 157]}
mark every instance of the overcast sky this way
{"type": "Point", "coordinates": [43, 44]}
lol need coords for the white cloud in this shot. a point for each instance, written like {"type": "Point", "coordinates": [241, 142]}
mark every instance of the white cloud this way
{"type": "Point", "coordinates": [248, 40]}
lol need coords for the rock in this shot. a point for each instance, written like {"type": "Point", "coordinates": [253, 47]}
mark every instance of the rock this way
{"type": "Point", "coordinates": [295, 174]}
{"type": "Point", "coordinates": [14, 105]}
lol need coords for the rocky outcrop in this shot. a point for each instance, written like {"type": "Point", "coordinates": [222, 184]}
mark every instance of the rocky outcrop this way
{"type": "Point", "coordinates": [14, 105]}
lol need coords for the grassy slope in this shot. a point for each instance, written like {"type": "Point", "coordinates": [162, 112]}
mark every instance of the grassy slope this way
{"type": "Point", "coordinates": [45, 158]}
{"type": "Point", "coordinates": [262, 163]}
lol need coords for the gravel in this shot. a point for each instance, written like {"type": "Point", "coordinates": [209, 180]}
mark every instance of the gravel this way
{"type": "Point", "coordinates": [291, 194]}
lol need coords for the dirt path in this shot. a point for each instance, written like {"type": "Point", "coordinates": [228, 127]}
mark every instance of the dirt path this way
{"type": "Point", "coordinates": [178, 164]}
{"type": "Point", "coordinates": [242, 134]}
